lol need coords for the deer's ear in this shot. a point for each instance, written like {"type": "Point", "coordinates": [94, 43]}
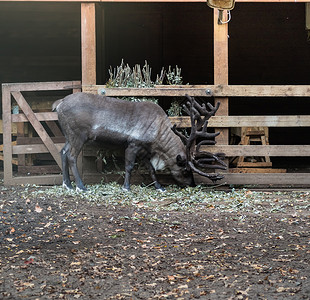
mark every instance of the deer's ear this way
{"type": "Point", "coordinates": [181, 162]}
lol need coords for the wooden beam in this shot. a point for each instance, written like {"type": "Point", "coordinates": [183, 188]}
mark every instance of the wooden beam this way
{"type": "Point", "coordinates": [7, 137]}
{"type": "Point", "coordinates": [36, 148]}
{"type": "Point", "coordinates": [249, 121]}
{"type": "Point", "coordinates": [38, 180]}
{"type": "Point", "coordinates": [261, 90]}
{"type": "Point", "coordinates": [308, 16]}
{"type": "Point", "coordinates": [276, 179]}
{"type": "Point", "coordinates": [205, 91]}
{"type": "Point", "coordinates": [257, 170]}
{"type": "Point", "coordinates": [43, 86]}
{"type": "Point", "coordinates": [88, 39]}
{"type": "Point", "coordinates": [189, 1]}
{"type": "Point", "coordinates": [261, 150]}
{"type": "Point", "coordinates": [44, 116]}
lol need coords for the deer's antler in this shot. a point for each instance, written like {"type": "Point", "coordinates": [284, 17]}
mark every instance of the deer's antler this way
{"type": "Point", "coordinates": [199, 115]}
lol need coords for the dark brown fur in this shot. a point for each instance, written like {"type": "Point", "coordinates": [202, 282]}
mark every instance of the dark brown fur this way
{"type": "Point", "coordinates": [139, 127]}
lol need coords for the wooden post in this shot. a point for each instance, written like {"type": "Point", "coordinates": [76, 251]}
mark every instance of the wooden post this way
{"type": "Point", "coordinates": [221, 70]}
{"type": "Point", "coordinates": [7, 134]}
{"type": "Point", "coordinates": [88, 38]}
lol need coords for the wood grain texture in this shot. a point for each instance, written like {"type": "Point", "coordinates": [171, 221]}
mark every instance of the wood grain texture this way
{"type": "Point", "coordinates": [88, 37]}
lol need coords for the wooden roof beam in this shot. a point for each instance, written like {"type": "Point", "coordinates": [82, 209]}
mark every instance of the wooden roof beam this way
{"type": "Point", "coordinates": [98, 1]}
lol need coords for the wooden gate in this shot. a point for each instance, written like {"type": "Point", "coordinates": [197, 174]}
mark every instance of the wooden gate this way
{"type": "Point", "coordinates": [44, 143]}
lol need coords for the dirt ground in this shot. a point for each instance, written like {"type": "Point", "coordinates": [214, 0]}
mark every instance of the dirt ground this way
{"type": "Point", "coordinates": [62, 246]}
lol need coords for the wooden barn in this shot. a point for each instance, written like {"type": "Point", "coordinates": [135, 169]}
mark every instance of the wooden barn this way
{"type": "Point", "coordinates": [254, 59]}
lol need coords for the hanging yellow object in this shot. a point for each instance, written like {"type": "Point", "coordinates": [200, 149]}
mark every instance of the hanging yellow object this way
{"type": "Point", "coordinates": [221, 4]}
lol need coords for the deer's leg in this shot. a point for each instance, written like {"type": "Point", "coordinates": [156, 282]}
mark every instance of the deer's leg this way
{"type": "Point", "coordinates": [153, 175]}
{"type": "Point", "coordinates": [65, 167]}
{"type": "Point", "coordinates": [130, 157]}
{"type": "Point", "coordinates": [72, 155]}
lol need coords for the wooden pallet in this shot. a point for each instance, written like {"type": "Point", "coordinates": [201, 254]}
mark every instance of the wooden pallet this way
{"type": "Point", "coordinates": [262, 164]}
{"type": "Point", "coordinates": [254, 136]}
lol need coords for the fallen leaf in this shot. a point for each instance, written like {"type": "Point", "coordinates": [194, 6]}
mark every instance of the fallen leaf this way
{"type": "Point", "coordinates": [28, 284]}
{"type": "Point", "coordinates": [281, 289]}
{"type": "Point", "coordinates": [38, 209]}
{"type": "Point", "coordinates": [184, 286]}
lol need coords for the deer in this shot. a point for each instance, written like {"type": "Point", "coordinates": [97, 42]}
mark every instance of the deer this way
{"type": "Point", "coordinates": [143, 130]}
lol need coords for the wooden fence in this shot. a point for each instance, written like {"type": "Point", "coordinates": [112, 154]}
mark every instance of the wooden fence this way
{"type": "Point", "coordinates": [225, 122]}
{"type": "Point", "coordinates": [50, 144]}
{"type": "Point", "coordinates": [45, 143]}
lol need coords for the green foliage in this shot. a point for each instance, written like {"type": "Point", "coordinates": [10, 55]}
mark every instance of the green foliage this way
{"type": "Point", "coordinates": [124, 76]}
{"type": "Point", "coordinates": [174, 76]}
{"type": "Point", "coordinates": [136, 77]}
{"type": "Point", "coordinates": [175, 109]}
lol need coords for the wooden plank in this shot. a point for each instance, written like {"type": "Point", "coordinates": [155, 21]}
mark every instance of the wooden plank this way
{"type": "Point", "coordinates": [308, 16]}
{"type": "Point", "coordinates": [43, 116]}
{"type": "Point", "coordinates": [38, 180]}
{"type": "Point", "coordinates": [36, 148]}
{"type": "Point", "coordinates": [256, 170]}
{"type": "Point", "coordinates": [273, 1]}
{"type": "Point", "coordinates": [7, 137]}
{"type": "Point", "coordinates": [21, 127]}
{"type": "Point", "coordinates": [258, 164]}
{"type": "Point", "coordinates": [277, 179]}
{"type": "Point", "coordinates": [36, 170]}
{"type": "Point", "coordinates": [248, 121]}
{"type": "Point", "coordinates": [54, 128]}
{"type": "Point", "coordinates": [42, 86]}
{"type": "Point", "coordinates": [261, 150]}
{"type": "Point", "coordinates": [218, 90]}
{"type": "Point", "coordinates": [88, 39]}
{"type": "Point", "coordinates": [220, 51]}
{"type": "Point", "coordinates": [37, 126]}
{"type": "Point", "coordinates": [262, 90]}
{"type": "Point", "coordinates": [161, 90]}
{"type": "Point", "coordinates": [36, 140]}
{"type": "Point", "coordinates": [96, 1]}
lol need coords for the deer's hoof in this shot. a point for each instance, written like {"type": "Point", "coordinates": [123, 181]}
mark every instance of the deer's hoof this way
{"type": "Point", "coordinates": [161, 189]}
{"type": "Point", "coordinates": [83, 189]}
{"type": "Point", "coordinates": [67, 186]}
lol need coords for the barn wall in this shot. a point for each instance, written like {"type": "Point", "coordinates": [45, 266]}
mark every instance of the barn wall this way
{"type": "Point", "coordinates": [39, 41]}
{"type": "Point", "coordinates": [267, 45]}
{"type": "Point", "coordinates": [163, 34]}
